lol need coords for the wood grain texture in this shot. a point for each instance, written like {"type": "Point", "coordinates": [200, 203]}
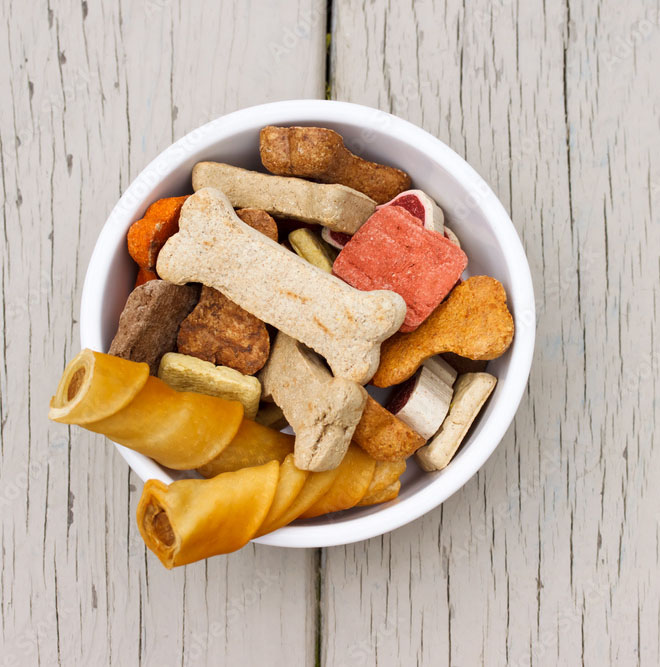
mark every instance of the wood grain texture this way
{"type": "Point", "coordinates": [92, 92]}
{"type": "Point", "coordinates": [550, 554]}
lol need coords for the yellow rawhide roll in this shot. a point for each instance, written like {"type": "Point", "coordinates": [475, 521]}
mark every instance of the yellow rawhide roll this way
{"type": "Point", "coordinates": [193, 519]}
{"type": "Point", "coordinates": [118, 398]}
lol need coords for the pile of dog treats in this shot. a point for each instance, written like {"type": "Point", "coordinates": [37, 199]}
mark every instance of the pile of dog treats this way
{"type": "Point", "coordinates": [288, 292]}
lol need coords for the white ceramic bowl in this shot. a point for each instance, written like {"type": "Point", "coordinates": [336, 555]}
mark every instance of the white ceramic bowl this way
{"type": "Point", "coordinates": [472, 211]}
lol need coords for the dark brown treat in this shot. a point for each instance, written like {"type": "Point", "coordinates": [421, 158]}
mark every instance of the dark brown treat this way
{"type": "Point", "coordinates": [150, 321]}
{"type": "Point", "coordinates": [319, 153]}
{"type": "Point", "coordinates": [223, 333]}
{"type": "Point", "coordinates": [462, 365]}
{"type": "Point", "coordinates": [259, 220]}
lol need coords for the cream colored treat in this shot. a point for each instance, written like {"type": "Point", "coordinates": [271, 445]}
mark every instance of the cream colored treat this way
{"type": "Point", "coordinates": [442, 369]}
{"type": "Point", "coordinates": [470, 393]}
{"type": "Point", "coordinates": [271, 415]}
{"type": "Point", "coordinates": [312, 248]}
{"type": "Point", "coordinates": [451, 236]}
{"type": "Point", "coordinates": [335, 206]}
{"type": "Point", "coordinates": [185, 373]}
{"type": "Point", "coordinates": [323, 411]}
{"type": "Point", "coordinates": [426, 406]}
{"type": "Point", "coordinates": [344, 325]}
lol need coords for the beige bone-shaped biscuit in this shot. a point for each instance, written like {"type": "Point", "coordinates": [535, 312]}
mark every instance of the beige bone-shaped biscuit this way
{"type": "Point", "coordinates": [334, 206]}
{"type": "Point", "coordinates": [344, 325]}
{"type": "Point", "coordinates": [323, 411]}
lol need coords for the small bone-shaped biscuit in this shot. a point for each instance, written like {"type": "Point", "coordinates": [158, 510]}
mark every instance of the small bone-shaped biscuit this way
{"type": "Point", "coordinates": [334, 206]}
{"type": "Point", "coordinates": [318, 152]}
{"type": "Point", "coordinates": [473, 322]}
{"type": "Point", "coordinates": [344, 325]}
{"type": "Point", "coordinates": [323, 411]}
{"type": "Point", "coordinates": [470, 393]}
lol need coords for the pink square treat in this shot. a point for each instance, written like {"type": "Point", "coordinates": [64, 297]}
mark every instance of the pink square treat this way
{"type": "Point", "coordinates": [393, 251]}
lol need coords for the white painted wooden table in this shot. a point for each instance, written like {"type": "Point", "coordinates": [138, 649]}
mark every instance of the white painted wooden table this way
{"type": "Point", "coordinates": [550, 555]}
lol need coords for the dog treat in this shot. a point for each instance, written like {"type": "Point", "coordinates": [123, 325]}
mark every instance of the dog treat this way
{"type": "Point", "coordinates": [271, 415]}
{"type": "Point", "coordinates": [473, 322]}
{"type": "Point", "coordinates": [311, 247]}
{"type": "Point", "coordinates": [335, 239]}
{"type": "Point", "coordinates": [220, 331]}
{"type": "Point", "coordinates": [118, 398]}
{"type": "Point", "coordinates": [144, 276]}
{"type": "Point", "coordinates": [422, 402]}
{"type": "Point", "coordinates": [342, 324]}
{"type": "Point", "coordinates": [470, 393]}
{"type": "Point", "coordinates": [259, 220]}
{"type": "Point", "coordinates": [150, 321]}
{"type": "Point", "coordinates": [193, 519]}
{"type": "Point", "coordinates": [384, 495]}
{"type": "Point", "coordinates": [438, 366]}
{"type": "Point", "coordinates": [334, 206]}
{"type": "Point", "coordinates": [319, 153]}
{"type": "Point", "coordinates": [422, 207]}
{"type": "Point", "coordinates": [384, 436]}
{"type": "Point", "coordinates": [323, 411]}
{"type": "Point", "coordinates": [351, 484]}
{"type": "Point", "coordinates": [393, 251]}
{"type": "Point", "coordinates": [452, 237]}
{"type": "Point", "coordinates": [147, 236]}
{"type": "Point", "coordinates": [185, 373]}
{"type": "Point", "coordinates": [253, 445]}
{"type": "Point", "coordinates": [462, 364]}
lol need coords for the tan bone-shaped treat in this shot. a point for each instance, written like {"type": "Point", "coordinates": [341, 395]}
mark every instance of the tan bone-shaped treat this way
{"type": "Point", "coordinates": [334, 206]}
{"type": "Point", "coordinates": [323, 411]}
{"type": "Point", "coordinates": [344, 325]}
{"type": "Point", "coordinates": [470, 393]}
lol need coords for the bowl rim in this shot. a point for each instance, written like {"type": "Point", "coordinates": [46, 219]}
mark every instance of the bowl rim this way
{"type": "Point", "coordinates": [399, 512]}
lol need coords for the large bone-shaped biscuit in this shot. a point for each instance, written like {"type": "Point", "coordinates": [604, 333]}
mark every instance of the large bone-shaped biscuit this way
{"type": "Point", "coordinates": [323, 411]}
{"type": "Point", "coordinates": [334, 206]}
{"type": "Point", "coordinates": [344, 325]}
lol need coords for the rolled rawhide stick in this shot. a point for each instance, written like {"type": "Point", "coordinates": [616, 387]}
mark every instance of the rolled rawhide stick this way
{"type": "Point", "coordinates": [419, 204]}
{"type": "Point", "coordinates": [438, 366]}
{"type": "Point", "coordinates": [192, 519]}
{"type": "Point", "coordinates": [323, 411]}
{"type": "Point", "coordinates": [185, 373]}
{"type": "Point", "coordinates": [422, 402]}
{"type": "Point", "coordinates": [335, 206]}
{"type": "Point", "coordinates": [118, 398]}
{"type": "Point", "coordinates": [470, 393]}
{"type": "Point", "coordinates": [342, 324]}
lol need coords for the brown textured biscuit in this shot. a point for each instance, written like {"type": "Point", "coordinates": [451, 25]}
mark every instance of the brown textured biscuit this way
{"type": "Point", "coordinates": [150, 320]}
{"type": "Point", "coordinates": [384, 436]}
{"type": "Point", "coordinates": [344, 325]}
{"type": "Point", "coordinates": [319, 153]}
{"type": "Point", "coordinates": [260, 220]}
{"type": "Point", "coordinates": [474, 322]}
{"type": "Point", "coordinates": [223, 333]}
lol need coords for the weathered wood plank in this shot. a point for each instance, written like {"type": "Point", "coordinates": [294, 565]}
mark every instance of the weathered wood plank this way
{"type": "Point", "coordinates": [548, 556]}
{"type": "Point", "coordinates": [93, 91]}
